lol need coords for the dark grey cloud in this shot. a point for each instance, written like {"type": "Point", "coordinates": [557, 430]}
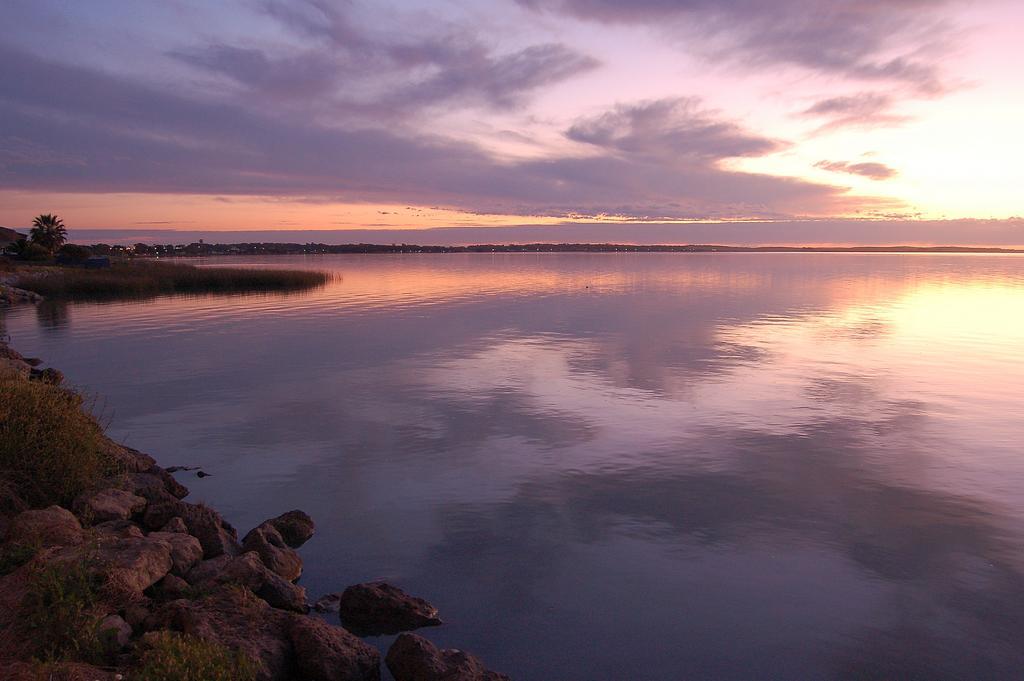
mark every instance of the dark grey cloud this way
{"type": "Point", "coordinates": [893, 40]}
{"type": "Point", "coordinates": [670, 128]}
{"type": "Point", "coordinates": [870, 169]}
{"type": "Point", "coordinates": [863, 110]}
{"type": "Point", "coordinates": [114, 134]}
{"type": "Point", "coordinates": [341, 65]}
{"type": "Point", "coordinates": [298, 75]}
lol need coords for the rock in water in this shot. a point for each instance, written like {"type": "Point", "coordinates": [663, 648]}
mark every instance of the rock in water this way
{"type": "Point", "coordinates": [272, 550]}
{"type": "Point", "coordinates": [376, 608]}
{"type": "Point", "coordinates": [296, 527]}
{"type": "Point", "coordinates": [328, 603]}
{"type": "Point", "coordinates": [414, 658]}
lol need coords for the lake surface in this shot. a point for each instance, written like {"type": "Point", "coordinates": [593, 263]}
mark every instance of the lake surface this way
{"type": "Point", "coordinates": [613, 466]}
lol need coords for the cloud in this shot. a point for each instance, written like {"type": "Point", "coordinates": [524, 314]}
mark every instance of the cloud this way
{"type": "Point", "coordinates": [871, 170]}
{"type": "Point", "coordinates": [353, 70]}
{"type": "Point", "coordinates": [863, 110]}
{"type": "Point", "coordinates": [863, 39]}
{"type": "Point", "coordinates": [131, 137]}
{"type": "Point", "coordinates": [675, 127]}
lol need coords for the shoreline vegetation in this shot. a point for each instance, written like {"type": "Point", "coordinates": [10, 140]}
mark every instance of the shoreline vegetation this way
{"type": "Point", "coordinates": [108, 574]}
{"type": "Point", "coordinates": [200, 249]}
{"type": "Point", "coordinates": [148, 278]}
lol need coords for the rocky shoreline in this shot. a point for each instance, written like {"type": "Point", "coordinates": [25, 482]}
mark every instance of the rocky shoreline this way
{"type": "Point", "coordinates": [169, 567]}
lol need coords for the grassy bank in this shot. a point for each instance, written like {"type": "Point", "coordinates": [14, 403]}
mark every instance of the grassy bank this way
{"type": "Point", "coordinates": [51, 448]}
{"type": "Point", "coordinates": [142, 279]}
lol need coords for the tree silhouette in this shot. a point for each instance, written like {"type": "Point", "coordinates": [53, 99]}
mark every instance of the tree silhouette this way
{"type": "Point", "coordinates": [48, 231]}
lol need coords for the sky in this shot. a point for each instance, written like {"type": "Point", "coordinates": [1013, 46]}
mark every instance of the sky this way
{"type": "Point", "coordinates": [823, 121]}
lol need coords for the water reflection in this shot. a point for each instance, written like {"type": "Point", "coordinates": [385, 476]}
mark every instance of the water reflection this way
{"type": "Point", "coordinates": [607, 467]}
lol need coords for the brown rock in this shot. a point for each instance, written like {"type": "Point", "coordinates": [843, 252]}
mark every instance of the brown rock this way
{"type": "Point", "coordinates": [266, 541]}
{"type": "Point", "coordinates": [296, 527]}
{"type": "Point", "coordinates": [186, 551]}
{"type": "Point", "coordinates": [249, 571]}
{"type": "Point", "coordinates": [214, 534]}
{"type": "Point", "coordinates": [135, 614]}
{"type": "Point", "coordinates": [327, 653]}
{"type": "Point", "coordinates": [236, 619]}
{"type": "Point", "coordinates": [171, 588]}
{"type": "Point", "coordinates": [107, 504]}
{"type": "Point", "coordinates": [155, 484]}
{"type": "Point", "coordinates": [175, 525]}
{"type": "Point", "coordinates": [115, 631]}
{"type": "Point", "coordinates": [328, 603]}
{"type": "Point", "coordinates": [128, 459]}
{"type": "Point", "coordinates": [207, 570]}
{"type": "Point", "coordinates": [134, 564]}
{"type": "Point", "coordinates": [53, 526]}
{"type": "Point", "coordinates": [119, 528]}
{"type": "Point", "coordinates": [414, 658]}
{"type": "Point", "coordinates": [376, 608]}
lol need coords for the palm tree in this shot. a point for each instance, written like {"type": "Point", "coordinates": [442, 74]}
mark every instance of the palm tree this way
{"type": "Point", "coordinates": [48, 231]}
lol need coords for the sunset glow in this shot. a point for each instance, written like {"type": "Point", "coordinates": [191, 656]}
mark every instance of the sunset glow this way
{"type": "Point", "coordinates": [320, 115]}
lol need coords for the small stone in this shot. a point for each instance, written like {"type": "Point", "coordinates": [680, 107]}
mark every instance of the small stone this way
{"type": "Point", "coordinates": [328, 603]}
{"type": "Point", "coordinates": [114, 630]}
{"type": "Point", "coordinates": [175, 525]}
{"type": "Point", "coordinates": [203, 474]}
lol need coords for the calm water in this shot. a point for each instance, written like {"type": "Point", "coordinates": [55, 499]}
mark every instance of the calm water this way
{"type": "Point", "coordinates": [652, 466]}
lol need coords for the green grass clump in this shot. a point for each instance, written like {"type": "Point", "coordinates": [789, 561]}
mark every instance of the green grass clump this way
{"type": "Point", "coordinates": [60, 615]}
{"type": "Point", "coordinates": [135, 279]}
{"type": "Point", "coordinates": [51, 448]}
{"type": "Point", "coordinates": [179, 657]}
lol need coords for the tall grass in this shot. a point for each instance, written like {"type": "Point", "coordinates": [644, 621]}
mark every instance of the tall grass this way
{"type": "Point", "coordinates": [135, 279]}
{"type": "Point", "coordinates": [179, 657]}
{"type": "Point", "coordinates": [61, 613]}
{"type": "Point", "coordinates": [51, 448]}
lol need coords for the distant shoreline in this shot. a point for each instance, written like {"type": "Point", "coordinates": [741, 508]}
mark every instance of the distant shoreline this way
{"type": "Point", "coordinates": [200, 249]}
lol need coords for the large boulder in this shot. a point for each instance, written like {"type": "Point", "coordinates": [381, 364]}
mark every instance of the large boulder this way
{"type": "Point", "coordinates": [216, 535]}
{"type": "Point", "coordinates": [414, 658]}
{"type": "Point", "coordinates": [186, 551]}
{"type": "Point", "coordinates": [249, 571]}
{"type": "Point", "coordinates": [375, 608]}
{"type": "Point", "coordinates": [107, 504]}
{"type": "Point", "coordinates": [53, 526]}
{"type": "Point", "coordinates": [328, 653]}
{"type": "Point", "coordinates": [295, 527]}
{"type": "Point", "coordinates": [266, 541]}
{"type": "Point", "coordinates": [236, 619]}
{"type": "Point", "coordinates": [132, 564]}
